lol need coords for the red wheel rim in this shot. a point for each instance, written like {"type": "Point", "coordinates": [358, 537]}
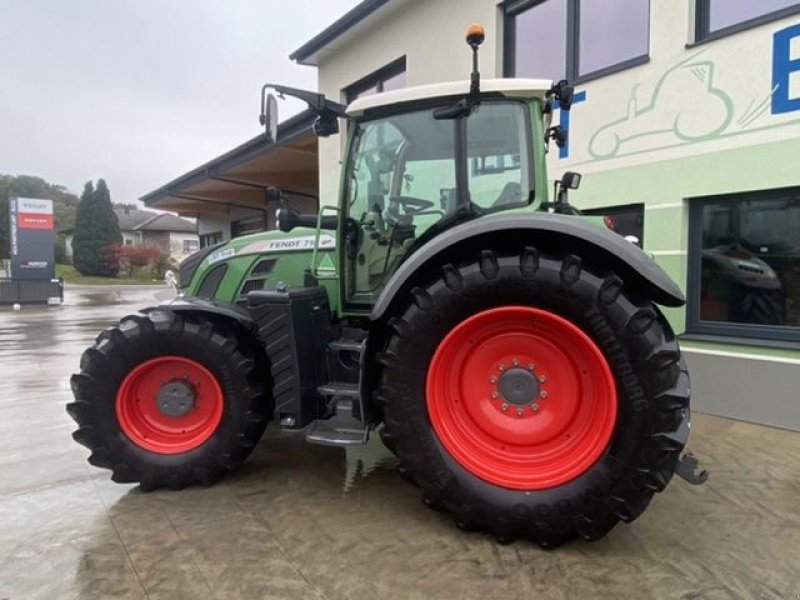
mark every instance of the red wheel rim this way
{"type": "Point", "coordinates": [147, 425]}
{"type": "Point", "coordinates": [480, 380]}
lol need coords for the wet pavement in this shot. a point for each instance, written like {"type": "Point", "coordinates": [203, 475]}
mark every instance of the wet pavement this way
{"type": "Point", "coordinates": [302, 521]}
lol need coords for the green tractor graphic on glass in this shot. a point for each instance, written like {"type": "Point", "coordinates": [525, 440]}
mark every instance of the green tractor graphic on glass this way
{"type": "Point", "coordinates": [510, 353]}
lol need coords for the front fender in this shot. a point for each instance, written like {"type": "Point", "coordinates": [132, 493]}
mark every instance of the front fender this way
{"type": "Point", "coordinates": [566, 233]}
{"type": "Point", "coordinates": [209, 307]}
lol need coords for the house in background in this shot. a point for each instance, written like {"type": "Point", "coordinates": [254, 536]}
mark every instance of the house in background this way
{"type": "Point", "coordinates": [147, 228]}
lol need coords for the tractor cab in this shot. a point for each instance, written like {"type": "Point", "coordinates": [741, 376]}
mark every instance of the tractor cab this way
{"type": "Point", "coordinates": [411, 174]}
{"type": "Point", "coordinates": [424, 159]}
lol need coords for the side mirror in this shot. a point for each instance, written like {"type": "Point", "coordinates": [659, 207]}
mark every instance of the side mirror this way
{"type": "Point", "coordinates": [571, 180]}
{"type": "Point", "coordinates": [269, 118]}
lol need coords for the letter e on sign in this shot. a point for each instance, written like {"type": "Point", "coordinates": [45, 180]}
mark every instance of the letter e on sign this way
{"type": "Point", "coordinates": [786, 70]}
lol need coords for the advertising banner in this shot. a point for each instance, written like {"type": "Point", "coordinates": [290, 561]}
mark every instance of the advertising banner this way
{"type": "Point", "coordinates": [32, 238]}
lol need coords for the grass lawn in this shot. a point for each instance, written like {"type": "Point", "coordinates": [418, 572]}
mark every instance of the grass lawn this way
{"type": "Point", "coordinates": [70, 275]}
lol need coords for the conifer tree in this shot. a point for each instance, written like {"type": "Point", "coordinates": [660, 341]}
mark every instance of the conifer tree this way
{"type": "Point", "coordinates": [96, 230]}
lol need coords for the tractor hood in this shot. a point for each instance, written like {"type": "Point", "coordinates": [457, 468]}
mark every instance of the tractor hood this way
{"type": "Point", "coordinates": [239, 254]}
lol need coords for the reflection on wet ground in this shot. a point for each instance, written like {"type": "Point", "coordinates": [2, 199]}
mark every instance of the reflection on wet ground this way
{"type": "Point", "coordinates": [301, 521]}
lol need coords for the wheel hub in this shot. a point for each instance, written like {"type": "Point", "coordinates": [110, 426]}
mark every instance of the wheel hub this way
{"type": "Point", "coordinates": [169, 404]}
{"type": "Point", "coordinates": [176, 398]}
{"type": "Point", "coordinates": [521, 397]}
{"type": "Point", "coordinates": [518, 386]}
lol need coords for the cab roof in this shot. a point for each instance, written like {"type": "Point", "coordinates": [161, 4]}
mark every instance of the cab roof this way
{"type": "Point", "coordinates": [512, 88]}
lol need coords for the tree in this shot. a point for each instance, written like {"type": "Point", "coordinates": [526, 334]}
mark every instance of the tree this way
{"type": "Point", "coordinates": [96, 229]}
{"type": "Point", "coordinates": [132, 258]}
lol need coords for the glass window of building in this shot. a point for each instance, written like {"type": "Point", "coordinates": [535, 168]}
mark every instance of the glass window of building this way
{"type": "Point", "coordinates": [391, 77]}
{"type": "Point", "coordinates": [575, 39]}
{"type": "Point", "coordinates": [209, 239]}
{"type": "Point", "coordinates": [745, 265]}
{"type": "Point", "coordinates": [718, 17]}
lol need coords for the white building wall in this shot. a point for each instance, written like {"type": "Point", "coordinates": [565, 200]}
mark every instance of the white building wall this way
{"type": "Point", "coordinates": [210, 223]}
{"type": "Point", "coordinates": [684, 102]}
{"type": "Point", "coordinates": [131, 238]}
{"type": "Point", "coordinates": [430, 34]}
{"type": "Point", "coordinates": [176, 244]}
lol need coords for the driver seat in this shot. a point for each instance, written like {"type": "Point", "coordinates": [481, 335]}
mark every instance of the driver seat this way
{"type": "Point", "coordinates": [511, 194]}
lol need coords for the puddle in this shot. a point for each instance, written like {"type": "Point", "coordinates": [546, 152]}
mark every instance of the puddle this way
{"type": "Point", "coordinates": [360, 461]}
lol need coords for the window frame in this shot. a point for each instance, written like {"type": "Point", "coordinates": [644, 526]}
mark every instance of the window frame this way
{"type": "Point", "coordinates": [375, 79]}
{"type": "Point", "coordinates": [242, 225]}
{"type": "Point", "coordinates": [512, 8]}
{"type": "Point", "coordinates": [186, 246]}
{"type": "Point", "coordinates": [702, 22]}
{"type": "Point", "coordinates": [464, 206]}
{"type": "Point", "coordinates": [746, 333]}
{"type": "Point", "coordinates": [210, 239]}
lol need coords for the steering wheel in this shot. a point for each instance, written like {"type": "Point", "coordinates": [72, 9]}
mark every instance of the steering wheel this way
{"type": "Point", "coordinates": [412, 206]}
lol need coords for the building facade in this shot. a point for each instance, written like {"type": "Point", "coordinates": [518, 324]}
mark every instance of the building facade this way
{"type": "Point", "coordinates": [686, 127]}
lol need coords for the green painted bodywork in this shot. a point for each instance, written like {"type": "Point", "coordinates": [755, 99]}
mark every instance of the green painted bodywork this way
{"type": "Point", "coordinates": [289, 268]}
{"type": "Point", "coordinates": [291, 263]}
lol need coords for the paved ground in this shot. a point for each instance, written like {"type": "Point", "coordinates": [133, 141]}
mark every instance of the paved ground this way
{"type": "Point", "coordinates": [304, 521]}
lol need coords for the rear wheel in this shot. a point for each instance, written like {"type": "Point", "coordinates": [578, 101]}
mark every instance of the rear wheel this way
{"type": "Point", "coordinates": [168, 400]}
{"type": "Point", "coordinates": [533, 396]}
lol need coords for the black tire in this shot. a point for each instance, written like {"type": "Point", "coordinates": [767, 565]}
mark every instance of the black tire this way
{"type": "Point", "coordinates": [388, 440]}
{"type": "Point", "coordinates": [652, 393]}
{"type": "Point", "coordinates": [762, 307]}
{"type": "Point", "coordinates": [233, 361]}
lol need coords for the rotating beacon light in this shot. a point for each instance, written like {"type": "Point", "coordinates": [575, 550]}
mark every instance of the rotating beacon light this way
{"type": "Point", "coordinates": [475, 36]}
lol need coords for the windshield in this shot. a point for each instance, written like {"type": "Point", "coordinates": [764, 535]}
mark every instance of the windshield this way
{"type": "Point", "coordinates": [403, 174]}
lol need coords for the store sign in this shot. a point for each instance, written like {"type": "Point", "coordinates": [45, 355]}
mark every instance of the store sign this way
{"type": "Point", "coordinates": [712, 94]}
{"type": "Point", "coordinates": [32, 238]}
{"type": "Point", "coordinates": [786, 70]}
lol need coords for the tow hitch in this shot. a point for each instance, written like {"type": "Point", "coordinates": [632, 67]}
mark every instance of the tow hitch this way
{"type": "Point", "coordinates": [687, 470]}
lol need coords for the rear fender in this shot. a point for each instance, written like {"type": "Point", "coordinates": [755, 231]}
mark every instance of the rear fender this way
{"type": "Point", "coordinates": [554, 233]}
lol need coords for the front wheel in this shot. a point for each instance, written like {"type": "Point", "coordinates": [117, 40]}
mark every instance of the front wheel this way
{"type": "Point", "coordinates": [169, 400]}
{"type": "Point", "coordinates": [534, 396]}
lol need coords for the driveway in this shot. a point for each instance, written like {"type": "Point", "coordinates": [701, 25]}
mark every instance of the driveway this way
{"type": "Point", "coordinates": [302, 521]}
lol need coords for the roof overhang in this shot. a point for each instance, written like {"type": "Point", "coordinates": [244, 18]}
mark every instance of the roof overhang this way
{"type": "Point", "coordinates": [360, 18]}
{"type": "Point", "coordinates": [240, 177]}
{"type": "Point", "coordinates": [510, 88]}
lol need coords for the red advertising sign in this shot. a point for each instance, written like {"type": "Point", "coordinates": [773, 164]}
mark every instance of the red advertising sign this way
{"type": "Point", "coordinates": [34, 221]}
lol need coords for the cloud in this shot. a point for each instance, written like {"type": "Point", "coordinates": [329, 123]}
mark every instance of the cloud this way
{"type": "Point", "coordinates": [140, 92]}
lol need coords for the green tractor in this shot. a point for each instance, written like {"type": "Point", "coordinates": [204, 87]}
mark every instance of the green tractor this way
{"type": "Point", "coordinates": [510, 352]}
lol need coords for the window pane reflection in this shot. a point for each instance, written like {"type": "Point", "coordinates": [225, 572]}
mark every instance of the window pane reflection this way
{"type": "Point", "coordinates": [725, 13]}
{"type": "Point", "coordinates": [751, 262]}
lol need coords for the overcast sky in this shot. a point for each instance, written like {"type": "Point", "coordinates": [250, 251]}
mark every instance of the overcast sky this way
{"type": "Point", "coordinates": [140, 91]}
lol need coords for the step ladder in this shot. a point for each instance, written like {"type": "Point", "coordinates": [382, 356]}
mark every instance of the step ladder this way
{"type": "Point", "coordinates": [342, 428]}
